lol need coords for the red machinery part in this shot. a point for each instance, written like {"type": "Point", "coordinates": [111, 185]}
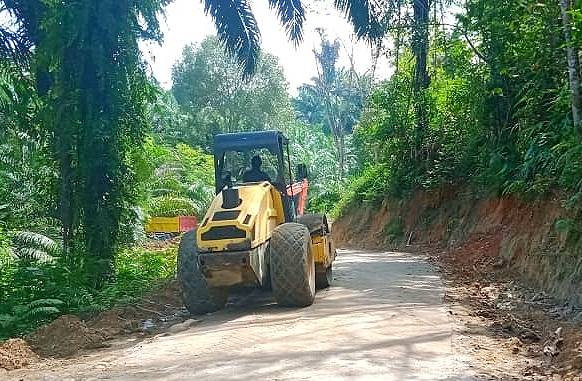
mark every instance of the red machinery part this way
{"type": "Point", "coordinates": [299, 189]}
{"type": "Point", "coordinates": [187, 223]}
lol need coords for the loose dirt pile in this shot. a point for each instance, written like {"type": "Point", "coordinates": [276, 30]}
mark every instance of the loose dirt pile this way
{"type": "Point", "coordinates": [67, 335]}
{"type": "Point", "coordinates": [64, 337]}
{"type": "Point", "coordinates": [15, 353]}
{"type": "Point", "coordinates": [544, 333]}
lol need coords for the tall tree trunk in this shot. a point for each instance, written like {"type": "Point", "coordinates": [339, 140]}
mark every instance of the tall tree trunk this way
{"type": "Point", "coordinates": [421, 79]}
{"type": "Point", "coordinates": [337, 132]}
{"type": "Point", "coordinates": [65, 132]}
{"type": "Point", "coordinates": [573, 64]}
{"type": "Point", "coordinates": [342, 155]}
{"type": "Point", "coordinates": [66, 192]}
{"type": "Point", "coordinates": [398, 39]}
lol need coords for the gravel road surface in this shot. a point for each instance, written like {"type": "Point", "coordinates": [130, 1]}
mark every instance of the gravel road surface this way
{"type": "Point", "coordinates": [384, 318]}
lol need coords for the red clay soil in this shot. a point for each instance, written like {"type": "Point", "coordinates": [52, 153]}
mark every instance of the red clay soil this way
{"type": "Point", "coordinates": [492, 255]}
{"type": "Point", "coordinates": [15, 353]}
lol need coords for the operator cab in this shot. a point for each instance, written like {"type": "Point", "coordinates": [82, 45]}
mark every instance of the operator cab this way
{"type": "Point", "coordinates": [235, 152]}
{"type": "Point", "coordinates": [238, 168]}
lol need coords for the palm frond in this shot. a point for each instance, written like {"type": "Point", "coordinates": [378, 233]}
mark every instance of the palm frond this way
{"type": "Point", "coordinates": [365, 16]}
{"type": "Point", "coordinates": [41, 312]}
{"type": "Point", "coordinates": [8, 95]}
{"type": "Point", "coordinates": [292, 15]}
{"type": "Point", "coordinates": [33, 253]}
{"type": "Point", "coordinates": [13, 48]}
{"type": "Point", "coordinates": [15, 44]}
{"type": "Point", "coordinates": [167, 206]}
{"type": "Point", "coordinates": [36, 246]}
{"type": "Point", "coordinates": [7, 161]}
{"type": "Point", "coordinates": [49, 302]}
{"type": "Point", "coordinates": [237, 29]}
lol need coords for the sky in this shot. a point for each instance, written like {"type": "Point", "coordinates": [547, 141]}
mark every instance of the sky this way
{"type": "Point", "coordinates": [186, 23]}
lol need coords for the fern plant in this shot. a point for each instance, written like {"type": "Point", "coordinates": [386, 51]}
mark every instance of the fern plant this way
{"type": "Point", "coordinates": [34, 246]}
{"type": "Point", "coordinates": [25, 316]}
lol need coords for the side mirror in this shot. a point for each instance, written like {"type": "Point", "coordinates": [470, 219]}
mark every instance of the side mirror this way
{"type": "Point", "coordinates": [301, 172]}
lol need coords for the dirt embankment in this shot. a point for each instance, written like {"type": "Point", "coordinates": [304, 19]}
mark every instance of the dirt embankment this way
{"type": "Point", "coordinates": [515, 265]}
{"type": "Point", "coordinates": [539, 241]}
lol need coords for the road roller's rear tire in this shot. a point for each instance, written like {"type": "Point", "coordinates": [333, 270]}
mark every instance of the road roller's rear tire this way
{"type": "Point", "coordinates": [198, 298]}
{"type": "Point", "coordinates": [292, 265]}
{"type": "Point", "coordinates": [316, 223]}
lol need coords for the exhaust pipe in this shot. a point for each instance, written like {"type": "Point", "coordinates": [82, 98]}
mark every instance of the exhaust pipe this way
{"type": "Point", "coordinates": [230, 198]}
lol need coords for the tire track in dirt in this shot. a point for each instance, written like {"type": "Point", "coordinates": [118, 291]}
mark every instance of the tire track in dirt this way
{"type": "Point", "coordinates": [384, 318]}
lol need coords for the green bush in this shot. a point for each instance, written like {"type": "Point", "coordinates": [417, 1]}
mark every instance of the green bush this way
{"type": "Point", "coordinates": [34, 291]}
{"type": "Point", "coordinates": [138, 269]}
{"type": "Point", "coordinates": [370, 188]}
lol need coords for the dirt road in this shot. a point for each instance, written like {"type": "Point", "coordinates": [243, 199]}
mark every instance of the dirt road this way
{"type": "Point", "coordinates": [383, 319]}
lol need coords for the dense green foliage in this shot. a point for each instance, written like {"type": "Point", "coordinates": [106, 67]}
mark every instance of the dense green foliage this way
{"type": "Point", "coordinates": [207, 85]}
{"type": "Point", "coordinates": [33, 291]}
{"type": "Point", "coordinates": [90, 148]}
{"type": "Point", "coordinates": [91, 114]}
{"type": "Point", "coordinates": [499, 115]}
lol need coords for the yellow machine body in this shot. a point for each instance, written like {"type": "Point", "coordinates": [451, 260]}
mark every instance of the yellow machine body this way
{"type": "Point", "coordinates": [232, 242]}
{"type": "Point", "coordinates": [323, 251]}
{"type": "Point", "coordinates": [244, 227]}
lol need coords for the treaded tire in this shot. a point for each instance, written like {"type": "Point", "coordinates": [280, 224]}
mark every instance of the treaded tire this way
{"type": "Point", "coordinates": [292, 265]}
{"type": "Point", "coordinates": [198, 298]}
{"type": "Point", "coordinates": [323, 279]}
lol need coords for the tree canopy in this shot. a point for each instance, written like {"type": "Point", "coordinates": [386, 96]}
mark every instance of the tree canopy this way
{"type": "Point", "coordinates": [207, 84]}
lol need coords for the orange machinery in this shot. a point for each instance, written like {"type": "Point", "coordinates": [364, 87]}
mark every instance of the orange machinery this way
{"type": "Point", "coordinates": [298, 190]}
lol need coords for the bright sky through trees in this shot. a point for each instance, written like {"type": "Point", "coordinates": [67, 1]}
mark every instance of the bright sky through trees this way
{"type": "Point", "coordinates": [186, 23]}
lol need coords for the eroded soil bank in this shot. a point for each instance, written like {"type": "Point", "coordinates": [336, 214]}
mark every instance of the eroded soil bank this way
{"type": "Point", "coordinates": [514, 266]}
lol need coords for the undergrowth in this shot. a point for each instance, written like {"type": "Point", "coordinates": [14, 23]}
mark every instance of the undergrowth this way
{"type": "Point", "coordinates": [35, 291]}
